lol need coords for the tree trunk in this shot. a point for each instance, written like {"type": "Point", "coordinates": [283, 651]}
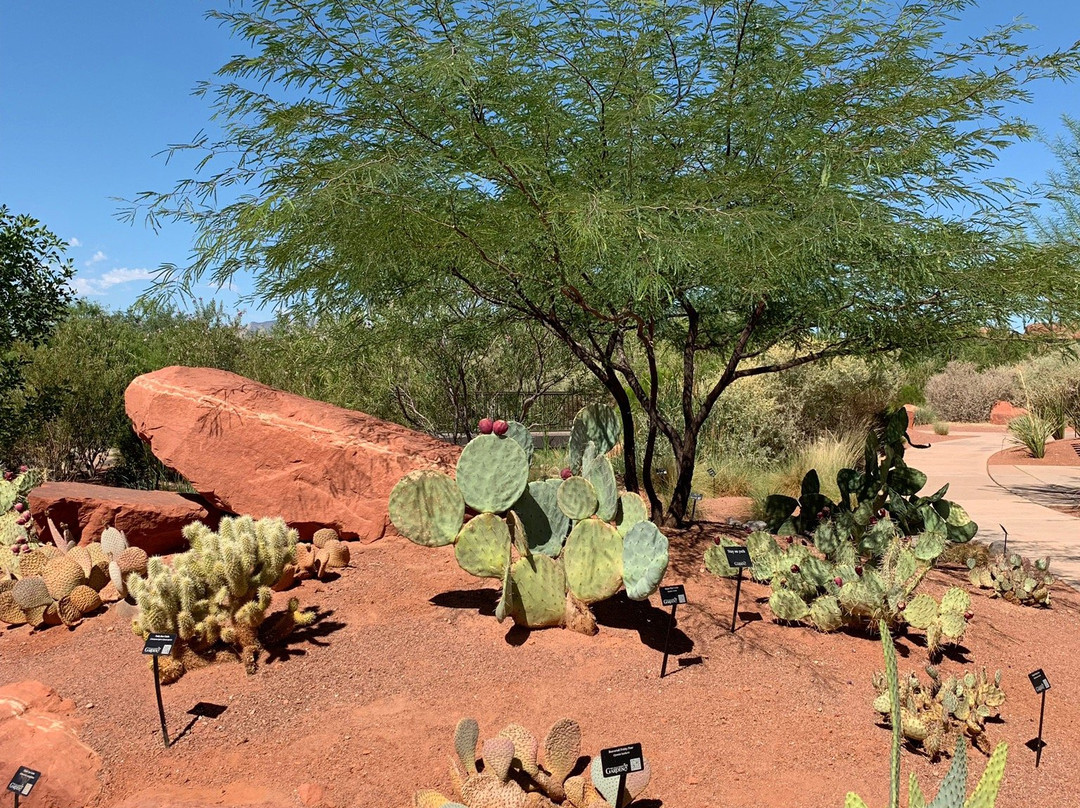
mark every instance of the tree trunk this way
{"type": "Point", "coordinates": [656, 507]}
{"type": "Point", "coordinates": [622, 401]}
{"type": "Point", "coordinates": [684, 480]}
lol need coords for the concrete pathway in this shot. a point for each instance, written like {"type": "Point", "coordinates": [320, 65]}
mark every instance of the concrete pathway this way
{"type": "Point", "coordinates": [1010, 496]}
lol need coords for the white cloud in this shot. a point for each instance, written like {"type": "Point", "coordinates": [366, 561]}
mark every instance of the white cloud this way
{"type": "Point", "coordinates": [93, 287]}
{"type": "Point", "coordinates": [74, 242]}
{"type": "Point", "coordinates": [96, 258]}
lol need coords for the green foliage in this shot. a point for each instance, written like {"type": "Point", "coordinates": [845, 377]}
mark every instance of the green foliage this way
{"type": "Point", "coordinates": [885, 485]}
{"type": "Point", "coordinates": [523, 536]}
{"type": "Point", "coordinates": [633, 177]}
{"type": "Point", "coordinates": [216, 594]}
{"type": "Point", "coordinates": [1014, 578]}
{"type": "Point", "coordinates": [1031, 431]}
{"type": "Point", "coordinates": [954, 786]}
{"type": "Point", "coordinates": [34, 294]}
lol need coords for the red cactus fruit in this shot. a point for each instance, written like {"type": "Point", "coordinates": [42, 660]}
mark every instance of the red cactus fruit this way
{"type": "Point", "coordinates": [485, 426]}
{"type": "Point", "coordinates": [881, 513]}
{"type": "Point", "coordinates": [716, 541]}
{"type": "Point", "coordinates": [794, 567]}
{"type": "Point", "coordinates": [19, 507]}
{"type": "Point", "coordinates": [23, 469]}
{"type": "Point", "coordinates": [9, 476]}
{"type": "Point", "coordinates": [838, 581]}
{"type": "Point", "coordinates": [968, 615]}
{"type": "Point", "coordinates": [500, 427]}
{"type": "Point", "coordinates": [901, 605]}
{"type": "Point", "coordinates": [858, 570]}
{"type": "Point", "coordinates": [566, 474]}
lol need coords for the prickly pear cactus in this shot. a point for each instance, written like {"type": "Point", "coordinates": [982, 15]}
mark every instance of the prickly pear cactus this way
{"type": "Point", "coordinates": [515, 771]}
{"type": "Point", "coordinates": [1015, 579]}
{"type": "Point", "coordinates": [953, 787]}
{"type": "Point", "coordinates": [556, 545]}
{"type": "Point", "coordinates": [944, 623]}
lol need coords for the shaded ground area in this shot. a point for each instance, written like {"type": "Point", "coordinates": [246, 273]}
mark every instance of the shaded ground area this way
{"type": "Point", "coordinates": [360, 710]}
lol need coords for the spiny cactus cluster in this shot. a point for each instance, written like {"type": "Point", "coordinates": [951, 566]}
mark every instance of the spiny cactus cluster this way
{"type": "Point", "coordinates": [933, 714]}
{"type": "Point", "coordinates": [954, 787]}
{"type": "Point", "coordinates": [215, 596]}
{"type": "Point", "coordinates": [315, 560]}
{"type": "Point", "coordinates": [51, 587]}
{"type": "Point", "coordinates": [1014, 578]}
{"type": "Point", "coordinates": [854, 578]}
{"type": "Point", "coordinates": [515, 773]}
{"type": "Point", "coordinates": [885, 485]}
{"type": "Point", "coordinates": [557, 545]}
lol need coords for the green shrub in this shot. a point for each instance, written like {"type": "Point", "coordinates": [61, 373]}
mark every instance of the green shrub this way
{"type": "Point", "coordinates": [1032, 432]}
{"type": "Point", "coordinates": [961, 393]}
{"type": "Point", "coordinates": [941, 428]}
{"type": "Point", "coordinates": [925, 415]}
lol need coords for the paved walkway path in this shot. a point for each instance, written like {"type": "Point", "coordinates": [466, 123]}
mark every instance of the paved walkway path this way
{"type": "Point", "coordinates": [1010, 496]}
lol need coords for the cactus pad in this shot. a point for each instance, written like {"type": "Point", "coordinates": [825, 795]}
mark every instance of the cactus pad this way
{"type": "Point", "coordinates": [539, 587]}
{"type": "Point", "coordinates": [10, 612]}
{"type": "Point", "coordinates": [825, 613]}
{"type": "Point", "coordinates": [598, 471]}
{"type": "Point", "coordinates": [519, 432]}
{"type": "Point", "coordinates": [644, 560]}
{"type": "Point", "coordinates": [427, 508]}
{"type": "Point", "coordinates": [483, 546]}
{"type": "Point", "coordinates": [562, 747]}
{"type": "Point", "coordinates": [327, 534]}
{"type": "Point", "coordinates": [29, 593]}
{"type": "Point", "coordinates": [526, 748]}
{"type": "Point", "coordinates": [492, 473]}
{"type": "Point", "coordinates": [955, 600]}
{"type": "Point", "coordinates": [786, 605]}
{"type": "Point", "coordinates": [716, 559]}
{"type": "Point", "coordinates": [922, 612]}
{"type": "Point", "coordinates": [466, 736]}
{"type": "Point", "coordinates": [545, 523]}
{"type": "Point", "coordinates": [577, 498]}
{"type": "Point", "coordinates": [632, 509]}
{"type": "Point", "coordinates": [113, 542]}
{"type": "Point", "coordinates": [597, 424]}
{"type": "Point", "coordinates": [593, 559]}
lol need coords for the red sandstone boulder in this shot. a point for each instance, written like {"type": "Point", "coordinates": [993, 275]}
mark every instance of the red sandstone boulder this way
{"type": "Point", "coordinates": [152, 520]}
{"type": "Point", "coordinates": [38, 729]}
{"type": "Point", "coordinates": [251, 449]}
{"type": "Point", "coordinates": [1003, 412]}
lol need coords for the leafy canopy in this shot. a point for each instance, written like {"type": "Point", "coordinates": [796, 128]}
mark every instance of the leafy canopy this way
{"type": "Point", "coordinates": [811, 178]}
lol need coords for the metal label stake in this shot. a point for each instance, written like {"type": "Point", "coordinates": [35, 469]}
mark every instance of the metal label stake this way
{"type": "Point", "coordinates": [1041, 685]}
{"type": "Point", "coordinates": [670, 596]}
{"type": "Point", "coordinates": [23, 782]}
{"type": "Point", "coordinates": [738, 557]}
{"type": "Point", "coordinates": [160, 645]}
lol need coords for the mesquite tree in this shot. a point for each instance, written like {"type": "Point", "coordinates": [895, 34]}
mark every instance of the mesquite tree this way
{"type": "Point", "coordinates": [768, 183]}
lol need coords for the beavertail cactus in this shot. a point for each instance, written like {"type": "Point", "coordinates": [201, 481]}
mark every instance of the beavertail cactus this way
{"type": "Point", "coordinates": [1015, 579]}
{"type": "Point", "coordinates": [522, 533]}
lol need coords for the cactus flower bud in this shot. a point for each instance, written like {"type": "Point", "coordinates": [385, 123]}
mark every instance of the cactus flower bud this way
{"type": "Point", "coordinates": [838, 581]}
{"type": "Point", "coordinates": [485, 426]}
{"type": "Point", "coordinates": [566, 474]}
{"type": "Point", "coordinates": [23, 469]}
{"type": "Point", "coordinates": [9, 476]}
{"type": "Point", "coordinates": [500, 427]}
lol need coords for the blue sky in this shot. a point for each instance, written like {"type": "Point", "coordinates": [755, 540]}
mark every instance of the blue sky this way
{"type": "Point", "coordinates": [92, 90]}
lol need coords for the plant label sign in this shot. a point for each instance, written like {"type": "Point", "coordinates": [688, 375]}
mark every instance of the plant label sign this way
{"type": "Point", "coordinates": [712, 471]}
{"type": "Point", "coordinates": [697, 496]}
{"type": "Point", "coordinates": [1039, 681]}
{"type": "Point", "coordinates": [672, 595]}
{"type": "Point", "coordinates": [737, 557]}
{"type": "Point", "coordinates": [621, 760]}
{"type": "Point", "coordinates": [24, 781]}
{"type": "Point", "coordinates": [159, 644]}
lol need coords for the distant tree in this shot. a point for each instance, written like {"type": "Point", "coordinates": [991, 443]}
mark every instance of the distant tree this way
{"type": "Point", "coordinates": [34, 295]}
{"type": "Point", "coordinates": [758, 183]}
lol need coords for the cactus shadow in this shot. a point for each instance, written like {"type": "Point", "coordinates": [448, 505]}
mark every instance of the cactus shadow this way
{"type": "Point", "coordinates": [483, 601]}
{"type": "Point", "coordinates": [650, 623]}
{"type": "Point", "coordinates": [304, 635]}
{"type": "Point", "coordinates": [959, 654]}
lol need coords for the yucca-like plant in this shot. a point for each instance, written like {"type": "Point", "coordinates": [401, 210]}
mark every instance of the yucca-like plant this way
{"type": "Point", "coordinates": [954, 786]}
{"type": "Point", "coordinates": [1031, 431]}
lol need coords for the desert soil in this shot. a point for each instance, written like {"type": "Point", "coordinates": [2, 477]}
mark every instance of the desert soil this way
{"type": "Point", "coordinates": [360, 710]}
{"type": "Point", "coordinates": [1058, 453]}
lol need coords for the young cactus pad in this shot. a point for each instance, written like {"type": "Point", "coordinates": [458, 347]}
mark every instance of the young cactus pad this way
{"type": "Point", "coordinates": [645, 560]}
{"type": "Point", "coordinates": [597, 424]}
{"type": "Point", "coordinates": [426, 507]}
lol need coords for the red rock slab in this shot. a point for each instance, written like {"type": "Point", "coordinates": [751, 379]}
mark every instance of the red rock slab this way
{"type": "Point", "coordinates": [1003, 412]}
{"type": "Point", "coordinates": [152, 520]}
{"type": "Point", "coordinates": [251, 449]}
{"type": "Point", "coordinates": [38, 730]}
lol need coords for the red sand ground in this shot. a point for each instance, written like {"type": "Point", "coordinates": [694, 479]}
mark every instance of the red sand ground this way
{"type": "Point", "coordinates": [364, 705]}
{"type": "Point", "coordinates": [1058, 453]}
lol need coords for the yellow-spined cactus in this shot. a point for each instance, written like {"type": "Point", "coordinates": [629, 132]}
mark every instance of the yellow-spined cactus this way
{"type": "Point", "coordinates": [217, 593]}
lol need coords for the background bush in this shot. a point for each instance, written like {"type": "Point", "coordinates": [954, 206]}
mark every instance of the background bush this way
{"type": "Point", "coordinates": [963, 393]}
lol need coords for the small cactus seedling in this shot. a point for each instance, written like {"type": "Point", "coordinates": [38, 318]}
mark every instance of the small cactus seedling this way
{"type": "Point", "coordinates": [556, 545]}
